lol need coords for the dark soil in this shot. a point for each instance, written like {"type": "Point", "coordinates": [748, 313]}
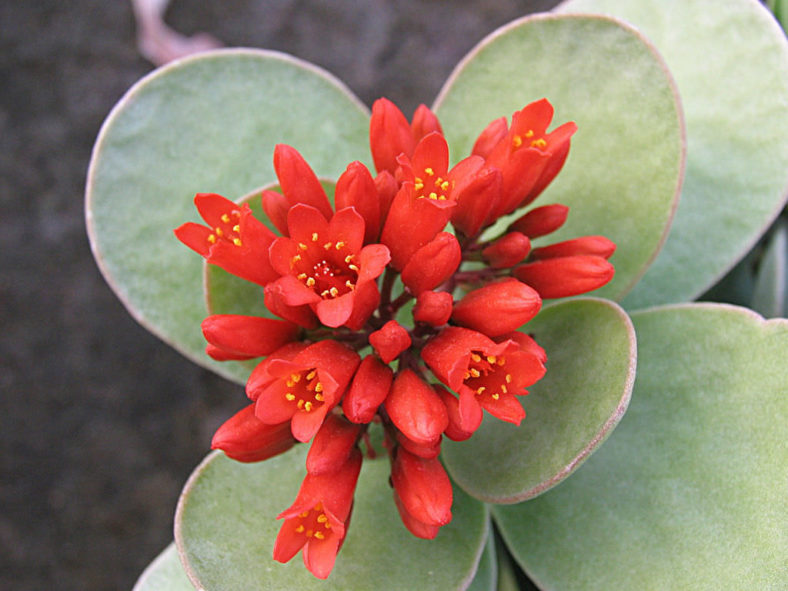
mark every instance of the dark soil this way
{"type": "Point", "coordinates": [101, 423]}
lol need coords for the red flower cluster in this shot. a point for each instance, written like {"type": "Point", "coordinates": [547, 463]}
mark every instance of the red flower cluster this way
{"type": "Point", "coordinates": [331, 279]}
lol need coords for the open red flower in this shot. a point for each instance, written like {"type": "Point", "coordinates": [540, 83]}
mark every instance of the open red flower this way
{"type": "Point", "coordinates": [390, 134]}
{"type": "Point", "coordinates": [301, 384]}
{"type": "Point", "coordinates": [323, 265]}
{"type": "Point", "coordinates": [484, 373]}
{"type": "Point", "coordinates": [233, 238]}
{"type": "Point", "coordinates": [317, 520]}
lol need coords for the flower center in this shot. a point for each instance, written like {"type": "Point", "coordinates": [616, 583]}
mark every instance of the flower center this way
{"type": "Point", "coordinates": [325, 268]}
{"type": "Point", "coordinates": [305, 390]}
{"type": "Point", "coordinates": [428, 186]}
{"type": "Point", "coordinates": [229, 230]}
{"type": "Point", "coordinates": [314, 523]}
{"type": "Point", "coordinates": [483, 377]}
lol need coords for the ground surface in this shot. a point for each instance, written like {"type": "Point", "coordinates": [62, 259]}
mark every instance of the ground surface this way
{"type": "Point", "coordinates": [100, 423]}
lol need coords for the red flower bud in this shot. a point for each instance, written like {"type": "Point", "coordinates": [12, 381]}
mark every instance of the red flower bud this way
{"type": "Point", "coordinates": [587, 245]}
{"type": "Point", "coordinates": [389, 135]}
{"type": "Point", "coordinates": [356, 188]}
{"type": "Point", "coordinates": [390, 341]}
{"type": "Point", "coordinates": [275, 206]}
{"type": "Point", "coordinates": [566, 276]}
{"type": "Point", "coordinates": [477, 192]}
{"type": "Point", "coordinates": [423, 487]}
{"type": "Point", "coordinates": [497, 308]}
{"type": "Point", "coordinates": [432, 264]}
{"type": "Point", "coordinates": [245, 438]}
{"type": "Point", "coordinates": [415, 409]}
{"type": "Point", "coordinates": [298, 181]}
{"type": "Point", "coordinates": [424, 122]}
{"type": "Point", "coordinates": [368, 391]}
{"type": "Point", "coordinates": [246, 337]}
{"type": "Point", "coordinates": [507, 251]}
{"type": "Point", "coordinates": [332, 445]}
{"type": "Point", "coordinates": [433, 307]}
{"type": "Point", "coordinates": [490, 137]}
{"type": "Point", "coordinates": [541, 220]}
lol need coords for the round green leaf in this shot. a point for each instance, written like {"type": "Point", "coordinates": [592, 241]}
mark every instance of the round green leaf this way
{"type": "Point", "coordinates": [165, 573]}
{"type": "Point", "coordinates": [204, 124]}
{"type": "Point", "coordinates": [590, 347]}
{"type": "Point", "coordinates": [690, 491]}
{"type": "Point", "coordinates": [730, 61]}
{"type": "Point", "coordinates": [226, 525]}
{"type": "Point", "coordinates": [624, 169]}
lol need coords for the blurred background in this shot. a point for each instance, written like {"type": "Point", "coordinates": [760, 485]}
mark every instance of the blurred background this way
{"type": "Point", "coordinates": [100, 422]}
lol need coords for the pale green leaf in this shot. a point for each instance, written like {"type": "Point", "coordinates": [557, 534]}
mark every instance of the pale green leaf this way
{"type": "Point", "coordinates": [690, 491]}
{"type": "Point", "coordinates": [591, 354]}
{"type": "Point", "coordinates": [165, 573]}
{"type": "Point", "coordinates": [624, 168]}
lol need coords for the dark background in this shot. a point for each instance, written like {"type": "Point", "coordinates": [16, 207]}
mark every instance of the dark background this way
{"type": "Point", "coordinates": [101, 423]}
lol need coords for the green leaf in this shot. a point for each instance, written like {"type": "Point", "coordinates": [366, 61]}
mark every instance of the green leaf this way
{"type": "Point", "coordinates": [487, 574]}
{"type": "Point", "coordinates": [226, 526]}
{"type": "Point", "coordinates": [730, 61]}
{"type": "Point", "coordinates": [624, 169]}
{"type": "Point", "coordinates": [770, 297]}
{"type": "Point", "coordinates": [690, 491]}
{"type": "Point", "coordinates": [165, 573]}
{"type": "Point", "coordinates": [203, 124]}
{"type": "Point", "coordinates": [590, 347]}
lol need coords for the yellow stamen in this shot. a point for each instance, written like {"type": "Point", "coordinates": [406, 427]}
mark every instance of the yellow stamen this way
{"type": "Point", "coordinates": [517, 141]}
{"type": "Point", "coordinates": [310, 282]}
{"type": "Point", "coordinates": [300, 404]}
{"type": "Point", "coordinates": [466, 375]}
{"type": "Point", "coordinates": [334, 292]}
{"type": "Point", "coordinates": [349, 285]}
{"type": "Point", "coordinates": [225, 218]}
{"type": "Point", "coordinates": [477, 358]}
{"type": "Point", "coordinates": [308, 406]}
{"type": "Point", "coordinates": [311, 375]}
{"type": "Point", "coordinates": [491, 359]}
{"type": "Point", "coordinates": [237, 241]}
{"type": "Point", "coordinates": [319, 535]}
{"type": "Point", "coordinates": [428, 171]}
{"type": "Point", "coordinates": [480, 390]}
{"type": "Point", "coordinates": [339, 245]}
{"type": "Point", "coordinates": [495, 396]}
{"type": "Point", "coordinates": [212, 239]}
{"type": "Point", "coordinates": [540, 143]}
{"type": "Point", "coordinates": [348, 258]}
{"type": "Point", "coordinates": [219, 232]}
{"type": "Point", "coordinates": [434, 196]}
{"type": "Point", "coordinates": [327, 525]}
{"type": "Point", "coordinates": [324, 293]}
{"type": "Point", "coordinates": [322, 518]}
{"type": "Point", "coordinates": [319, 397]}
{"type": "Point", "coordinates": [295, 259]}
{"type": "Point", "coordinates": [353, 268]}
{"type": "Point", "coordinates": [290, 396]}
{"type": "Point", "coordinates": [319, 387]}
{"type": "Point", "coordinates": [475, 372]}
{"type": "Point", "coordinates": [500, 361]}
{"type": "Point", "coordinates": [508, 378]}
{"type": "Point", "coordinates": [300, 529]}
{"type": "Point", "coordinates": [328, 245]}
{"type": "Point", "coordinates": [302, 246]}
{"type": "Point", "coordinates": [305, 514]}
{"type": "Point", "coordinates": [296, 377]}
{"type": "Point", "coordinates": [302, 276]}
{"type": "Point", "coordinates": [441, 197]}
{"type": "Point", "coordinates": [504, 389]}
{"type": "Point", "coordinates": [529, 134]}
{"type": "Point", "coordinates": [237, 228]}
{"type": "Point", "coordinates": [314, 236]}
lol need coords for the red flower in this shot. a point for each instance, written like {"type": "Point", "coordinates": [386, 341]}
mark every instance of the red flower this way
{"type": "Point", "coordinates": [528, 156]}
{"type": "Point", "coordinates": [301, 384]}
{"type": "Point", "coordinates": [566, 276]}
{"type": "Point", "coordinates": [232, 336]}
{"type": "Point", "coordinates": [356, 188]}
{"type": "Point", "coordinates": [243, 437]}
{"type": "Point", "coordinates": [422, 491]}
{"type": "Point", "coordinates": [233, 239]}
{"type": "Point", "coordinates": [298, 181]}
{"type": "Point", "coordinates": [390, 134]}
{"type": "Point", "coordinates": [317, 520]}
{"type": "Point", "coordinates": [323, 265]}
{"type": "Point", "coordinates": [497, 308]}
{"type": "Point", "coordinates": [484, 373]}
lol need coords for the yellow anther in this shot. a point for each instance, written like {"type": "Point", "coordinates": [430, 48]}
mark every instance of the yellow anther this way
{"type": "Point", "coordinates": [529, 134]}
{"type": "Point", "coordinates": [480, 390]}
{"type": "Point", "coordinates": [290, 396]}
{"type": "Point", "coordinates": [212, 239]}
{"type": "Point", "coordinates": [324, 293]}
{"type": "Point", "coordinates": [348, 258]}
{"type": "Point", "coordinates": [237, 241]}
{"type": "Point", "coordinates": [353, 268]}
{"type": "Point", "coordinates": [327, 525]}
{"type": "Point", "coordinates": [508, 378]}
{"type": "Point", "coordinates": [302, 246]}
{"type": "Point", "coordinates": [500, 361]}
{"type": "Point", "coordinates": [328, 245]}
{"type": "Point", "coordinates": [445, 185]}
{"type": "Point", "coordinates": [540, 143]}
{"type": "Point", "coordinates": [428, 171]}
{"type": "Point", "coordinates": [319, 387]}
{"type": "Point", "coordinates": [334, 292]}
{"type": "Point", "coordinates": [495, 396]}
{"type": "Point", "coordinates": [476, 357]}
{"type": "Point", "coordinates": [319, 397]}
{"type": "Point", "coordinates": [504, 389]}
{"type": "Point", "coordinates": [475, 372]}
{"type": "Point", "coordinates": [219, 232]}
{"type": "Point", "coordinates": [295, 259]}
{"type": "Point", "coordinates": [311, 375]}
{"type": "Point", "coordinates": [517, 141]}
{"type": "Point", "coordinates": [225, 218]}
{"type": "Point", "coordinates": [434, 196]}
{"type": "Point", "coordinates": [300, 404]}
{"type": "Point", "coordinates": [310, 282]}
{"type": "Point", "coordinates": [305, 514]}
{"type": "Point", "coordinates": [322, 518]}
{"type": "Point", "coordinates": [237, 228]}
{"type": "Point", "coordinates": [441, 197]}
{"type": "Point", "coordinates": [350, 285]}
{"type": "Point", "coordinates": [319, 535]}
{"type": "Point", "coordinates": [339, 245]}
{"type": "Point", "coordinates": [300, 529]}
{"type": "Point", "coordinates": [491, 359]}
{"type": "Point", "coordinates": [466, 375]}
{"type": "Point", "coordinates": [302, 276]}
{"type": "Point", "coordinates": [308, 406]}
{"type": "Point", "coordinates": [296, 377]}
{"type": "Point", "coordinates": [290, 384]}
{"type": "Point", "coordinates": [314, 236]}
{"type": "Point", "coordinates": [418, 185]}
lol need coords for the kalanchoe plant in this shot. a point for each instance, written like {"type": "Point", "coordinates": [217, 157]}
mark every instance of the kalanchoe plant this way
{"type": "Point", "coordinates": [331, 279]}
{"type": "Point", "coordinates": [403, 308]}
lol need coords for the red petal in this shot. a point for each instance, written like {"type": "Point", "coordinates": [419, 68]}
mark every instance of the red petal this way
{"type": "Point", "coordinates": [389, 135]}
{"type": "Point", "coordinates": [298, 181]}
{"type": "Point", "coordinates": [590, 245]}
{"type": "Point", "coordinates": [368, 391]}
{"type": "Point", "coordinates": [566, 276]}
{"type": "Point", "coordinates": [245, 438]}
{"type": "Point", "coordinates": [507, 251]}
{"type": "Point", "coordinates": [432, 264]}
{"type": "Point", "coordinates": [389, 341]}
{"type": "Point", "coordinates": [250, 336]}
{"type": "Point", "coordinates": [490, 137]}
{"type": "Point", "coordinates": [356, 188]}
{"type": "Point", "coordinates": [276, 207]}
{"type": "Point", "coordinates": [454, 430]}
{"type": "Point", "coordinates": [497, 308]}
{"type": "Point", "coordinates": [541, 220]}
{"type": "Point", "coordinates": [423, 487]}
{"type": "Point", "coordinates": [424, 122]}
{"type": "Point", "coordinates": [415, 408]}
{"type": "Point", "coordinates": [195, 236]}
{"type": "Point", "coordinates": [304, 221]}
{"type": "Point", "coordinates": [414, 526]}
